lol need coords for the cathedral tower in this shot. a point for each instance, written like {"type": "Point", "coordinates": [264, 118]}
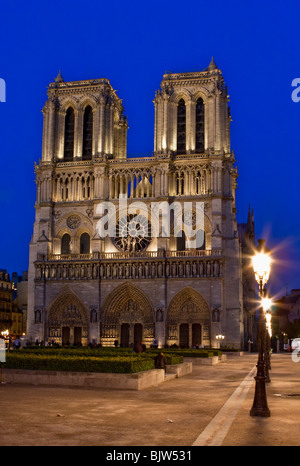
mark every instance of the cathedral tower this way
{"type": "Point", "coordinates": [149, 280]}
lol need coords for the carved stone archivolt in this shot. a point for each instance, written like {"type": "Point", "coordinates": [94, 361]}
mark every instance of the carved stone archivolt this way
{"type": "Point", "coordinates": [188, 306]}
{"type": "Point", "coordinates": [127, 304]}
{"type": "Point", "coordinates": [67, 310]}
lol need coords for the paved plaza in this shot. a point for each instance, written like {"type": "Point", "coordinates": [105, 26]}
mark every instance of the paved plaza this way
{"type": "Point", "coordinates": [208, 407]}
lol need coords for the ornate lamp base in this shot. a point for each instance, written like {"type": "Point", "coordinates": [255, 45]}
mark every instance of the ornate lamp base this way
{"type": "Point", "coordinates": [260, 405]}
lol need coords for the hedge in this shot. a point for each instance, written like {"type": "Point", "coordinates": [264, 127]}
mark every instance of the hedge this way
{"type": "Point", "coordinates": [190, 353]}
{"type": "Point", "coordinates": [83, 361]}
{"type": "Point", "coordinates": [171, 357]}
{"type": "Point", "coordinates": [100, 359]}
{"type": "Point", "coordinates": [113, 352]}
{"type": "Point", "coordinates": [77, 363]}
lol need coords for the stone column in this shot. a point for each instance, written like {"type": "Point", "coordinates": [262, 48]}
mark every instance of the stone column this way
{"type": "Point", "coordinates": [190, 126]}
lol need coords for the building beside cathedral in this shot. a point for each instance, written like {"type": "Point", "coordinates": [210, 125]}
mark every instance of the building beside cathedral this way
{"type": "Point", "coordinates": [180, 283]}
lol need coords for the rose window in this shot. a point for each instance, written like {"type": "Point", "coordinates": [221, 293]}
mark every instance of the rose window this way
{"type": "Point", "coordinates": [133, 233]}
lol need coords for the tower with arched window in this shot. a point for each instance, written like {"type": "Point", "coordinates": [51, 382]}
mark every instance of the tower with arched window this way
{"type": "Point", "coordinates": [161, 274]}
{"type": "Point", "coordinates": [191, 113]}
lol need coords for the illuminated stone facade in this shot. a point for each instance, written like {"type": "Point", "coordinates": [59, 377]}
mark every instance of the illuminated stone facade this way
{"type": "Point", "coordinates": [11, 317]}
{"type": "Point", "coordinates": [84, 287]}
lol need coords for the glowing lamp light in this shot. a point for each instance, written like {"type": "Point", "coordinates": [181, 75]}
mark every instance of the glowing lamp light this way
{"type": "Point", "coordinates": [261, 265]}
{"type": "Point", "coordinates": [268, 323]}
{"type": "Point", "coordinates": [266, 304]}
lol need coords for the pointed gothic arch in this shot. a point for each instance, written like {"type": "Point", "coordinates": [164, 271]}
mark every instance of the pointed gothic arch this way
{"type": "Point", "coordinates": [120, 296]}
{"type": "Point", "coordinates": [188, 319]}
{"type": "Point", "coordinates": [127, 312]}
{"type": "Point", "coordinates": [68, 319]}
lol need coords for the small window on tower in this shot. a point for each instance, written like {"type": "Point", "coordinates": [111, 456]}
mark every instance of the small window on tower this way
{"type": "Point", "coordinates": [69, 135]}
{"type": "Point", "coordinates": [181, 127]}
{"type": "Point", "coordinates": [200, 126]}
{"type": "Point", "coordinates": [87, 143]}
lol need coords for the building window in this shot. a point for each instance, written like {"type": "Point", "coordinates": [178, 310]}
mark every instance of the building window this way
{"type": "Point", "coordinates": [200, 126]}
{"type": "Point", "coordinates": [199, 183]}
{"type": "Point", "coordinates": [85, 243]}
{"type": "Point", "coordinates": [181, 127]}
{"type": "Point", "coordinates": [179, 184]}
{"type": "Point", "coordinates": [200, 240]}
{"type": "Point", "coordinates": [181, 241]}
{"type": "Point", "coordinates": [65, 244]}
{"type": "Point", "coordinates": [87, 143]}
{"type": "Point", "coordinates": [69, 135]}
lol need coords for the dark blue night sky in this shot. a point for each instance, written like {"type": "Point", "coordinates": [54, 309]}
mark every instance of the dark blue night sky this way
{"type": "Point", "coordinates": [256, 45]}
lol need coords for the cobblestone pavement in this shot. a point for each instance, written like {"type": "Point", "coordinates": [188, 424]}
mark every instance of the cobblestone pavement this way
{"type": "Point", "coordinates": [210, 406]}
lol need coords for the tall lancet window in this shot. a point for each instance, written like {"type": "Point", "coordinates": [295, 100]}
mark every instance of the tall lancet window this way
{"type": "Point", "coordinates": [87, 142]}
{"type": "Point", "coordinates": [181, 241]}
{"type": "Point", "coordinates": [65, 244]}
{"type": "Point", "coordinates": [69, 135]}
{"type": "Point", "coordinates": [181, 127]}
{"type": "Point", "coordinates": [85, 242]}
{"type": "Point", "coordinates": [200, 126]}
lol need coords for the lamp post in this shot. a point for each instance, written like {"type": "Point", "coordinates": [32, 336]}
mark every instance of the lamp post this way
{"type": "Point", "coordinates": [220, 338]}
{"type": "Point", "coordinates": [5, 335]}
{"type": "Point", "coordinates": [266, 304]}
{"type": "Point", "coordinates": [261, 265]}
{"type": "Point", "coordinates": [269, 336]}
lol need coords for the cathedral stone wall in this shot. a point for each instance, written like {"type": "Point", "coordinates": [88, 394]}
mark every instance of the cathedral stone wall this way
{"type": "Point", "coordinates": [144, 284]}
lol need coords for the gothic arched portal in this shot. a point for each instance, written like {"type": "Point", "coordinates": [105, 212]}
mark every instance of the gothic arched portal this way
{"type": "Point", "coordinates": [68, 320]}
{"type": "Point", "coordinates": [127, 316]}
{"type": "Point", "coordinates": [188, 319]}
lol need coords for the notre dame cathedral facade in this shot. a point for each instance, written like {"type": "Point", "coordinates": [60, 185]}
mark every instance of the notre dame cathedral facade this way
{"type": "Point", "coordinates": [85, 286]}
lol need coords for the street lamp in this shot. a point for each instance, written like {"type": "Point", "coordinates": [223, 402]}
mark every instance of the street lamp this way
{"type": "Point", "coordinates": [261, 264]}
{"type": "Point", "coordinates": [5, 335]}
{"type": "Point", "coordinates": [268, 323]}
{"type": "Point", "coordinates": [219, 338]}
{"type": "Point", "coordinates": [267, 303]}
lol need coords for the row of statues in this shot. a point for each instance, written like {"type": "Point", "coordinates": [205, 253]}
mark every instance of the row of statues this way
{"type": "Point", "coordinates": [133, 270]}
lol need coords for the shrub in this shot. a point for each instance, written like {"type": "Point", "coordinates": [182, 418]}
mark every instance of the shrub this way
{"type": "Point", "coordinates": [73, 363]}
{"type": "Point", "coordinates": [188, 353]}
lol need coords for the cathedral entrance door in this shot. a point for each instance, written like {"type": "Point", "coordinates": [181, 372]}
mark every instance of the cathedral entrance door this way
{"type": "Point", "coordinates": [77, 335]}
{"type": "Point", "coordinates": [65, 336]}
{"type": "Point", "coordinates": [125, 335]}
{"type": "Point", "coordinates": [196, 334]}
{"type": "Point", "coordinates": [184, 336]}
{"type": "Point", "coordinates": [138, 332]}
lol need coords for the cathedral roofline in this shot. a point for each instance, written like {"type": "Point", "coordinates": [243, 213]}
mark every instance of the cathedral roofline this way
{"type": "Point", "coordinates": [211, 70]}
{"type": "Point", "coordinates": [60, 84]}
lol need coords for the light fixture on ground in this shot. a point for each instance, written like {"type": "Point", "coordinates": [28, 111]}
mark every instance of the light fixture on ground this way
{"type": "Point", "coordinates": [261, 264]}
